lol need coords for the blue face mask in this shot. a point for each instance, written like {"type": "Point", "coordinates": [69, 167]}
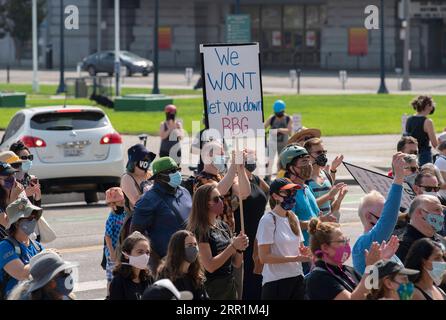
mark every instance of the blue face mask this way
{"type": "Point", "coordinates": [26, 166]}
{"type": "Point", "coordinates": [64, 285]}
{"type": "Point", "coordinates": [288, 202]}
{"type": "Point", "coordinates": [174, 179]}
{"type": "Point", "coordinates": [436, 221]}
{"type": "Point", "coordinates": [405, 291]}
{"type": "Point", "coordinates": [28, 226]}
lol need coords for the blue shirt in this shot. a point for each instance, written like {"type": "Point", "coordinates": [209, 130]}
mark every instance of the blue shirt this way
{"type": "Point", "coordinates": [306, 208]}
{"type": "Point", "coordinates": [113, 228]}
{"type": "Point", "coordinates": [153, 213]}
{"type": "Point", "coordinates": [381, 231]}
{"type": "Point", "coordinates": [8, 254]}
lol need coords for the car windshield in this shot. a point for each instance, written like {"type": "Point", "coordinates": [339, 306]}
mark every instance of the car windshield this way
{"type": "Point", "coordinates": [69, 120]}
{"type": "Point", "coordinates": [129, 55]}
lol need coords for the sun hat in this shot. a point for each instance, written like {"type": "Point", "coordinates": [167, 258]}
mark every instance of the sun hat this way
{"type": "Point", "coordinates": [164, 289]}
{"type": "Point", "coordinates": [10, 157]}
{"type": "Point", "coordinates": [20, 208]}
{"type": "Point", "coordinates": [304, 134]}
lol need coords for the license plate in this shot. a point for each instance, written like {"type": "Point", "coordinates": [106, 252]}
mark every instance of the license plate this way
{"type": "Point", "coordinates": [72, 152]}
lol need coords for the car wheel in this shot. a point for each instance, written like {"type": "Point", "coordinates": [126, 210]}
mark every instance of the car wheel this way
{"type": "Point", "coordinates": [91, 71]}
{"type": "Point", "coordinates": [145, 73]}
{"type": "Point", "coordinates": [91, 197]}
{"type": "Point", "coordinates": [110, 74]}
{"type": "Point", "coordinates": [128, 72]}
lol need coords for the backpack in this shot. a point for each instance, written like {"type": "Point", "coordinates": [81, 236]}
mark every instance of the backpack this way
{"type": "Point", "coordinates": [18, 251]}
{"type": "Point", "coordinates": [258, 266]}
{"type": "Point", "coordinates": [274, 119]}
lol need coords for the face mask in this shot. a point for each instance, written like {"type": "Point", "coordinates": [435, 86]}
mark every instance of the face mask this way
{"type": "Point", "coordinates": [9, 183]}
{"type": "Point", "coordinates": [119, 210]}
{"type": "Point", "coordinates": [433, 110]}
{"type": "Point", "coordinates": [321, 160]}
{"type": "Point", "coordinates": [219, 163]}
{"type": "Point", "coordinates": [342, 254]}
{"type": "Point", "coordinates": [65, 285]}
{"type": "Point", "coordinates": [405, 291]}
{"type": "Point", "coordinates": [288, 203]}
{"type": "Point", "coordinates": [174, 179]}
{"type": "Point", "coordinates": [437, 272]}
{"type": "Point", "coordinates": [28, 226]}
{"type": "Point", "coordinates": [250, 166]}
{"type": "Point", "coordinates": [436, 221]}
{"type": "Point", "coordinates": [139, 262]}
{"type": "Point", "coordinates": [143, 165]}
{"type": "Point", "coordinates": [279, 114]}
{"type": "Point", "coordinates": [305, 172]}
{"type": "Point", "coordinates": [411, 179]}
{"type": "Point", "coordinates": [191, 254]}
{"type": "Point", "coordinates": [26, 165]}
{"type": "Point", "coordinates": [217, 208]}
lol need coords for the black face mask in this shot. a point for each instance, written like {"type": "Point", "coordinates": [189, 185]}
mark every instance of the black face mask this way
{"type": "Point", "coordinates": [280, 114]}
{"type": "Point", "coordinates": [143, 165]}
{"type": "Point", "coordinates": [170, 116]}
{"type": "Point", "coordinates": [119, 210]}
{"type": "Point", "coordinates": [321, 160]}
{"type": "Point", "coordinates": [250, 166]}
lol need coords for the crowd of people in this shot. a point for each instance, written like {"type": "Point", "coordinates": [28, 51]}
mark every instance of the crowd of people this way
{"type": "Point", "coordinates": [231, 234]}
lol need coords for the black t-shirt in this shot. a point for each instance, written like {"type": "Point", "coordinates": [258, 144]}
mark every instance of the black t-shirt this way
{"type": "Point", "coordinates": [219, 238]}
{"type": "Point", "coordinates": [187, 284]}
{"type": "Point", "coordinates": [125, 289]}
{"type": "Point", "coordinates": [323, 284]}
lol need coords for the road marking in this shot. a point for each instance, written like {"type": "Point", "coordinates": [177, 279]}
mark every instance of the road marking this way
{"type": "Point", "coordinates": [80, 249]}
{"type": "Point", "coordinates": [90, 285]}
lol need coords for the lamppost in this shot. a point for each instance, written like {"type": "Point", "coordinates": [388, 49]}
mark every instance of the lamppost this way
{"type": "Point", "coordinates": [155, 89]}
{"type": "Point", "coordinates": [237, 6]}
{"type": "Point", "coordinates": [35, 55]}
{"type": "Point", "coordinates": [405, 84]}
{"type": "Point", "coordinates": [61, 87]}
{"type": "Point", "coordinates": [117, 50]}
{"type": "Point", "coordinates": [382, 86]}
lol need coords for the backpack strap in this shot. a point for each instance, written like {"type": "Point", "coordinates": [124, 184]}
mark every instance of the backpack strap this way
{"type": "Point", "coordinates": [275, 223]}
{"type": "Point", "coordinates": [347, 286]}
{"type": "Point", "coordinates": [273, 118]}
{"type": "Point", "coordinates": [328, 176]}
{"type": "Point", "coordinates": [287, 120]}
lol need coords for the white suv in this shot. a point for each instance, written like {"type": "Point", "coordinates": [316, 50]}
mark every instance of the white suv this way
{"type": "Point", "coordinates": [76, 148]}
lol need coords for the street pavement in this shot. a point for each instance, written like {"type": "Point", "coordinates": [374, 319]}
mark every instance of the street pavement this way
{"type": "Point", "coordinates": [273, 81]}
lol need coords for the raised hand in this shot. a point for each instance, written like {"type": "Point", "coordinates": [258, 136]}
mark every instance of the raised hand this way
{"type": "Point", "coordinates": [335, 189]}
{"type": "Point", "coordinates": [337, 162]}
{"type": "Point", "coordinates": [388, 249]}
{"type": "Point", "coordinates": [327, 217]}
{"type": "Point", "coordinates": [398, 165]}
{"type": "Point", "coordinates": [372, 255]}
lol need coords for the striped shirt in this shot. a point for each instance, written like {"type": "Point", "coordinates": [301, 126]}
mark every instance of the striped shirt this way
{"type": "Point", "coordinates": [321, 189]}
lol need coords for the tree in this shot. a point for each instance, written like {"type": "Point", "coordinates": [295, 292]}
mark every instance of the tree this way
{"type": "Point", "coordinates": [16, 20]}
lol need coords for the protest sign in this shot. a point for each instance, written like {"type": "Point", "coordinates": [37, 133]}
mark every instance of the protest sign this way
{"type": "Point", "coordinates": [370, 180]}
{"type": "Point", "coordinates": [232, 90]}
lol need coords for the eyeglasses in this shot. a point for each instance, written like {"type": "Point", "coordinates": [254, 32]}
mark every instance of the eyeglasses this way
{"type": "Point", "coordinates": [412, 169]}
{"type": "Point", "coordinates": [430, 189]}
{"type": "Point", "coordinates": [377, 218]}
{"type": "Point", "coordinates": [344, 241]}
{"type": "Point", "coordinates": [216, 199]}
{"type": "Point", "coordinates": [30, 157]}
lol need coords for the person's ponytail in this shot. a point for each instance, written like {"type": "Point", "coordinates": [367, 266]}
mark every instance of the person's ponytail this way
{"type": "Point", "coordinates": [294, 224]}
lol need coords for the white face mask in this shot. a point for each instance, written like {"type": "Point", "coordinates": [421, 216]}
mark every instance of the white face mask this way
{"type": "Point", "coordinates": [140, 262]}
{"type": "Point", "coordinates": [437, 272]}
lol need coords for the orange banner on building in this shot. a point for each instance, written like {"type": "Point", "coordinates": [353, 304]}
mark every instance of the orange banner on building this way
{"type": "Point", "coordinates": [165, 38]}
{"type": "Point", "coordinates": [358, 42]}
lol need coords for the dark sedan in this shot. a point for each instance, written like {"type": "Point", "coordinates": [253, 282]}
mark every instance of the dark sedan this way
{"type": "Point", "coordinates": [105, 62]}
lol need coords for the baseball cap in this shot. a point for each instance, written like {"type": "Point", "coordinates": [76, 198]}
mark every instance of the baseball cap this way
{"type": "Point", "coordinates": [164, 289]}
{"type": "Point", "coordinates": [20, 208]}
{"type": "Point", "coordinates": [6, 169]}
{"type": "Point", "coordinates": [138, 152]}
{"type": "Point", "coordinates": [163, 164]}
{"type": "Point", "coordinates": [10, 157]}
{"type": "Point", "coordinates": [388, 267]}
{"type": "Point", "coordinates": [282, 184]}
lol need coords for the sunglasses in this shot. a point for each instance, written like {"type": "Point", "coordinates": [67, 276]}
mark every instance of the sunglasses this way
{"type": "Point", "coordinates": [344, 241]}
{"type": "Point", "coordinates": [430, 189]}
{"type": "Point", "coordinates": [30, 157]}
{"type": "Point", "coordinates": [412, 169]}
{"type": "Point", "coordinates": [171, 171]}
{"type": "Point", "coordinates": [216, 199]}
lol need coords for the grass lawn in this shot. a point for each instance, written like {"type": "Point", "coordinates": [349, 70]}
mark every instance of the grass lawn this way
{"type": "Point", "coordinates": [333, 114]}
